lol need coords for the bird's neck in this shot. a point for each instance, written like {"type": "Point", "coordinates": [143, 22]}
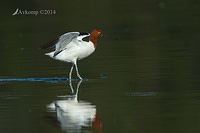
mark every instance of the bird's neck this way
{"type": "Point", "coordinates": [94, 41]}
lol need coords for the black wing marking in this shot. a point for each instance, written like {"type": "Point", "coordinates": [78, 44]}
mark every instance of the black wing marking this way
{"type": "Point", "coordinates": [50, 43]}
{"type": "Point", "coordinates": [82, 33]}
{"type": "Point", "coordinates": [56, 53]}
{"type": "Point", "coordinates": [54, 41]}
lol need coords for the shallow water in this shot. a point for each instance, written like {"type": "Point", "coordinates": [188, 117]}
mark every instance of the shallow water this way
{"type": "Point", "coordinates": [147, 81]}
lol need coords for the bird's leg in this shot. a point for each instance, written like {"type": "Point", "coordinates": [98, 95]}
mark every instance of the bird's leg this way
{"type": "Point", "coordinates": [77, 72]}
{"type": "Point", "coordinates": [78, 85]}
{"type": "Point", "coordinates": [77, 88]}
{"type": "Point", "coordinates": [70, 73]}
{"type": "Point", "coordinates": [70, 84]}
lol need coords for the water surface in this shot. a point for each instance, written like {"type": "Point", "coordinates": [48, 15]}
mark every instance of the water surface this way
{"type": "Point", "coordinates": [148, 81]}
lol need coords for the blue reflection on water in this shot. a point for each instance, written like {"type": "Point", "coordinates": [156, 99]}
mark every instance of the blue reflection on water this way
{"type": "Point", "coordinates": [52, 80]}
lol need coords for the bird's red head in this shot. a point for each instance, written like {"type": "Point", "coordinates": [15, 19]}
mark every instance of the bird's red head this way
{"type": "Point", "coordinates": [96, 33]}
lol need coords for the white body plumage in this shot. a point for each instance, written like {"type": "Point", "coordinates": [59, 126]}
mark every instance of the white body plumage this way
{"type": "Point", "coordinates": [70, 47]}
{"type": "Point", "coordinates": [73, 51]}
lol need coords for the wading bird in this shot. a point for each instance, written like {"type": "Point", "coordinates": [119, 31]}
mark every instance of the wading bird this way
{"type": "Point", "coordinates": [70, 47]}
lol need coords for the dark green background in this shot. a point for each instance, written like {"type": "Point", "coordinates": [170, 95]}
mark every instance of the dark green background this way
{"type": "Point", "coordinates": [152, 72]}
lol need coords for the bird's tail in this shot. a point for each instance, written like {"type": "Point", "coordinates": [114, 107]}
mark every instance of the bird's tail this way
{"type": "Point", "coordinates": [51, 54]}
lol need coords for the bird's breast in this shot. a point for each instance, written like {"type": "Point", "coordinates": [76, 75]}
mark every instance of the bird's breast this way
{"type": "Point", "coordinates": [76, 51]}
{"type": "Point", "coordinates": [86, 49]}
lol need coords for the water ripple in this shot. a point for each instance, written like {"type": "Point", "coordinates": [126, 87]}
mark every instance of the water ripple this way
{"type": "Point", "coordinates": [52, 80]}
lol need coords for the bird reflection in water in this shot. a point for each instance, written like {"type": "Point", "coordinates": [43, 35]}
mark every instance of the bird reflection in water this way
{"type": "Point", "coordinates": [75, 115]}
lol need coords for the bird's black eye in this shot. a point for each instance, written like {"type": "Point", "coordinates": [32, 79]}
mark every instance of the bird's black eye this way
{"type": "Point", "coordinates": [99, 33]}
